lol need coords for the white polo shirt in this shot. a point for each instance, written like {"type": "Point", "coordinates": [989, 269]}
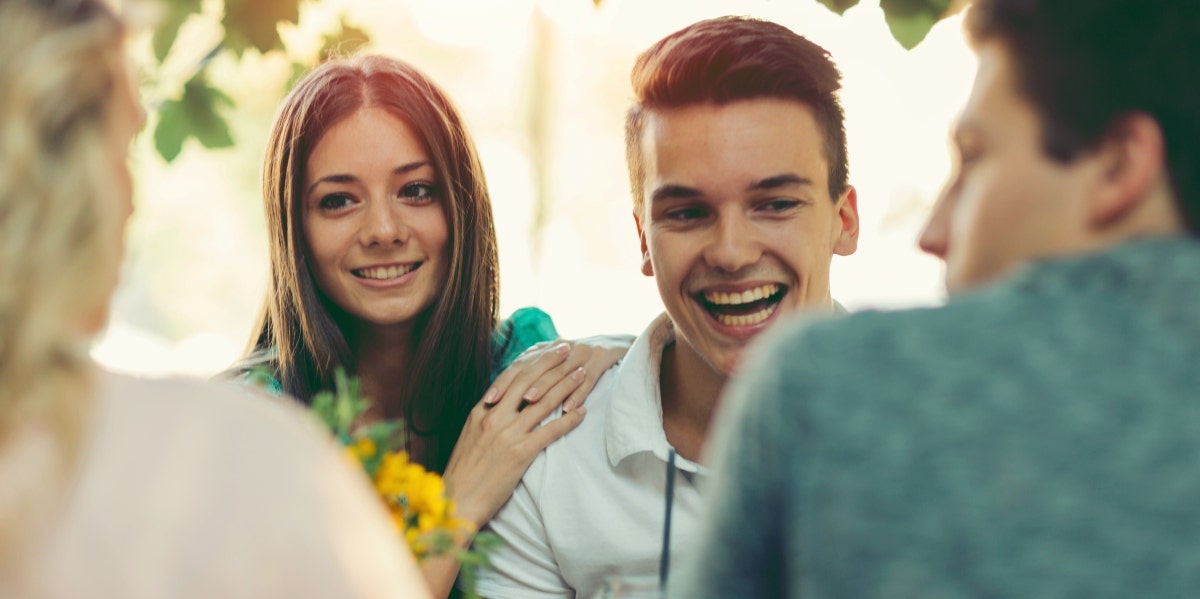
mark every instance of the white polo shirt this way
{"type": "Point", "coordinates": [592, 504]}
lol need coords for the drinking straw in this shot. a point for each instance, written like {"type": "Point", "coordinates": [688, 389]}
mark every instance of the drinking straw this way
{"type": "Point", "coordinates": [664, 564]}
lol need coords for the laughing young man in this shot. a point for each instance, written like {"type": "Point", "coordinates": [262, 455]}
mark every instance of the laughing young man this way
{"type": "Point", "coordinates": [737, 160]}
{"type": "Point", "coordinates": [1038, 435]}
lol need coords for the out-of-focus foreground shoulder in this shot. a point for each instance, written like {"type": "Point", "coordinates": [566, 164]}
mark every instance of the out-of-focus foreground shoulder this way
{"type": "Point", "coordinates": [212, 489]}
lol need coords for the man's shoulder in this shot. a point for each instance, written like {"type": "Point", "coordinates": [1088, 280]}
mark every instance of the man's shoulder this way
{"type": "Point", "coordinates": [874, 355]}
{"type": "Point", "coordinates": [916, 334]}
{"type": "Point", "coordinates": [596, 404]}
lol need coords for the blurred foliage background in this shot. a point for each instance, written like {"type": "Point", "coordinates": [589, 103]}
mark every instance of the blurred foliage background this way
{"type": "Point", "coordinates": [254, 24]}
{"type": "Point", "coordinates": [544, 86]}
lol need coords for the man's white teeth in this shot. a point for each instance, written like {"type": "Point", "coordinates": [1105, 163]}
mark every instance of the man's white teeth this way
{"type": "Point", "coordinates": [385, 272]}
{"type": "Point", "coordinates": [745, 297]}
{"type": "Point", "coordinates": [746, 320]}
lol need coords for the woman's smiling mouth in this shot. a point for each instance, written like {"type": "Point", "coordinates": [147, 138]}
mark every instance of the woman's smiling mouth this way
{"type": "Point", "coordinates": [384, 273]}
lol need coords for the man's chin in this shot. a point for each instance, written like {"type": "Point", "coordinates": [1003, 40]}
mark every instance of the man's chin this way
{"type": "Point", "coordinates": [726, 364]}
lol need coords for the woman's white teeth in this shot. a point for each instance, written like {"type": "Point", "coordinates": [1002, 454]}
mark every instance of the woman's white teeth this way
{"type": "Point", "coordinates": [745, 297]}
{"type": "Point", "coordinates": [385, 272]}
{"type": "Point", "coordinates": [746, 320]}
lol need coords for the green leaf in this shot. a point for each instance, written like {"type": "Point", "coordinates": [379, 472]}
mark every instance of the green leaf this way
{"type": "Point", "coordinates": [255, 23]}
{"type": "Point", "coordinates": [193, 115]}
{"type": "Point", "coordinates": [347, 40]}
{"type": "Point", "coordinates": [474, 559]}
{"type": "Point", "coordinates": [839, 6]}
{"type": "Point", "coordinates": [165, 33]}
{"type": "Point", "coordinates": [388, 435]}
{"type": "Point", "coordinates": [905, 8]}
{"type": "Point", "coordinates": [909, 31]}
{"type": "Point", "coordinates": [171, 130]}
{"type": "Point", "coordinates": [911, 20]}
{"type": "Point", "coordinates": [211, 129]}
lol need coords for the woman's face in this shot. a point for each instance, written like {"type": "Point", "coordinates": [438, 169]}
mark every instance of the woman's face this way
{"type": "Point", "coordinates": [374, 221]}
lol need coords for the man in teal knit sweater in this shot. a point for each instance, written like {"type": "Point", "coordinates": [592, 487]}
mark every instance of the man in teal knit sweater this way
{"type": "Point", "coordinates": [1038, 436]}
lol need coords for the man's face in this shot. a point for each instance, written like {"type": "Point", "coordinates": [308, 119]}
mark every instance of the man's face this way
{"type": "Point", "coordinates": [738, 226]}
{"type": "Point", "coordinates": [1008, 202]}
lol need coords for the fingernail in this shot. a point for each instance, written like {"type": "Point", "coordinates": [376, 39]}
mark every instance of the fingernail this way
{"type": "Point", "coordinates": [489, 397]}
{"type": "Point", "coordinates": [563, 349]}
{"type": "Point", "coordinates": [578, 374]}
{"type": "Point", "coordinates": [568, 405]}
{"type": "Point", "coordinates": [530, 394]}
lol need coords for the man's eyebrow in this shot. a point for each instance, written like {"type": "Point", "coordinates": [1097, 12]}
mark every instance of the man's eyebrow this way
{"type": "Point", "coordinates": [778, 181]}
{"type": "Point", "coordinates": [669, 192]}
{"type": "Point", "coordinates": [345, 178]}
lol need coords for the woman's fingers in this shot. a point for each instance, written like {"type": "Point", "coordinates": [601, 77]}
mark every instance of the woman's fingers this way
{"type": "Point", "coordinates": [555, 429]}
{"type": "Point", "coordinates": [593, 355]}
{"type": "Point", "coordinates": [579, 395]}
{"type": "Point", "coordinates": [570, 372]}
{"type": "Point", "coordinates": [534, 413]}
{"type": "Point", "coordinates": [502, 382]}
{"type": "Point", "coordinates": [493, 453]}
{"type": "Point", "coordinates": [521, 376]}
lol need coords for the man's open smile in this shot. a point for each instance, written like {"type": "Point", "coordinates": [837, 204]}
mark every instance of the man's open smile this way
{"type": "Point", "coordinates": [743, 306]}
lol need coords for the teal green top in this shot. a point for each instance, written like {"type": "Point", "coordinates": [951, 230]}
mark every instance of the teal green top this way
{"type": "Point", "coordinates": [515, 334]}
{"type": "Point", "coordinates": [519, 332]}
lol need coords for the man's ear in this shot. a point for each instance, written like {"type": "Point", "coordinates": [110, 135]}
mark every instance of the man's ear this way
{"type": "Point", "coordinates": [846, 237]}
{"type": "Point", "coordinates": [647, 267]}
{"type": "Point", "coordinates": [1132, 165]}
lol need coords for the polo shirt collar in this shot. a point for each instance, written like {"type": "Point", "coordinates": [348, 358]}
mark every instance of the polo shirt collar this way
{"type": "Point", "coordinates": [634, 422]}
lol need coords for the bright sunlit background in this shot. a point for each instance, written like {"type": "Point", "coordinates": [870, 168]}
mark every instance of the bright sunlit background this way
{"type": "Point", "coordinates": [541, 82]}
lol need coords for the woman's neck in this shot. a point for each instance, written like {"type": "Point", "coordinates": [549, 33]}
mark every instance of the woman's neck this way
{"type": "Point", "coordinates": [384, 357]}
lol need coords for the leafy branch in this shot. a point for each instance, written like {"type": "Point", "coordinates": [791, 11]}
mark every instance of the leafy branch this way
{"type": "Point", "coordinates": [247, 24]}
{"type": "Point", "coordinates": [908, 20]}
{"type": "Point", "coordinates": [254, 24]}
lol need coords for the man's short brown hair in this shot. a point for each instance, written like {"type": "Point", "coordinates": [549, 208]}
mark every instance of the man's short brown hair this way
{"type": "Point", "coordinates": [727, 59]}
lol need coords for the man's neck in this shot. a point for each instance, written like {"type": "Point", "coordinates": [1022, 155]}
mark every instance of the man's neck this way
{"type": "Point", "coordinates": [690, 389]}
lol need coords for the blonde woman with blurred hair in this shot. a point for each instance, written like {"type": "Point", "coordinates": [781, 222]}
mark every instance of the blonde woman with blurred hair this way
{"type": "Point", "coordinates": [112, 486]}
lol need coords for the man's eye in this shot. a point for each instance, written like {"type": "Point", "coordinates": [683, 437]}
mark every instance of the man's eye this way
{"type": "Point", "coordinates": [686, 214]}
{"type": "Point", "coordinates": [335, 201]}
{"type": "Point", "coordinates": [779, 205]}
{"type": "Point", "coordinates": [419, 191]}
{"type": "Point", "coordinates": [967, 156]}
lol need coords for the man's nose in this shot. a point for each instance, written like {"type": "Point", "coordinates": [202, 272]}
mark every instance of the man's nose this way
{"type": "Point", "coordinates": [935, 235]}
{"type": "Point", "coordinates": [734, 244]}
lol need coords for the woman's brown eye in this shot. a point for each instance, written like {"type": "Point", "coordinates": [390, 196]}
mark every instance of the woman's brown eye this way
{"type": "Point", "coordinates": [334, 201]}
{"type": "Point", "coordinates": [420, 191]}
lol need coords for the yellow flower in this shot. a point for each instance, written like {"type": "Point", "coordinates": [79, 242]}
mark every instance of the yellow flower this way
{"type": "Point", "coordinates": [461, 524]}
{"type": "Point", "coordinates": [415, 499]}
{"type": "Point", "coordinates": [426, 494]}
{"type": "Point", "coordinates": [365, 447]}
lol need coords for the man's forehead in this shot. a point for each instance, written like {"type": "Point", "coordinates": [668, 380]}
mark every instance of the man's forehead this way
{"type": "Point", "coordinates": [734, 145]}
{"type": "Point", "coordinates": [994, 80]}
